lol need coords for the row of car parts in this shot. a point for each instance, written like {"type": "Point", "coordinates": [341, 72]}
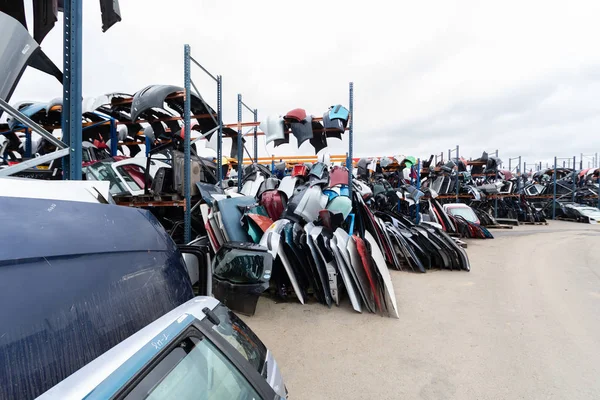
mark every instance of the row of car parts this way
{"type": "Point", "coordinates": [489, 190]}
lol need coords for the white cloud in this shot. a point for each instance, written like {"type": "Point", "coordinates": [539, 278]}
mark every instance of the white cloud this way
{"type": "Point", "coordinates": [519, 76]}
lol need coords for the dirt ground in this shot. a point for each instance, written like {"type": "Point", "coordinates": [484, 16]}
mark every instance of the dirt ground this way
{"type": "Point", "coordinates": [523, 324]}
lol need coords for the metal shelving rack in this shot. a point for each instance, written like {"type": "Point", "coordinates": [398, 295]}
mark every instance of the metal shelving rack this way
{"type": "Point", "coordinates": [450, 151]}
{"type": "Point", "coordinates": [255, 134]}
{"type": "Point", "coordinates": [72, 68]}
{"type": "Point", "coordinates": [188, 83]}
{"type": "Point", "coordinates": [240, 139]}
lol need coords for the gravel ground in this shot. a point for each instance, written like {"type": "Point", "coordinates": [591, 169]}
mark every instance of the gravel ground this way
{"type": "Point", "coordinates": [523, 324]}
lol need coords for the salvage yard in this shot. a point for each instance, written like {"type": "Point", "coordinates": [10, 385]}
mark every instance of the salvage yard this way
{"type": "Point", "coordinates": [523, 324]}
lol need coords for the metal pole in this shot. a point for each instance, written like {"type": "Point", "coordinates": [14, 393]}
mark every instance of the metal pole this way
{"type": "Point", "coordinates": [554, 192]}
{"type": "Point", "coordinates": [581, 162]}
{"type": "Point", "coordinates": [418, 208]}
{"type": "Point", "coordinates": [496, 198]}
{"type": "Point", "coordinates": [27, 143]}
{"type": "Point", "coordinates": [186, 146]}
{"type": "Point", "coordinates": [148, 145]}
{"type": "Point", "coordinates": [519, 170]}
{"type": "Point", "coordinates": [240, 154]}
{"type": "Point", "coordinates": [510, 164]}
{"type": "Point", "coordinates": [220, 134]}
{"type": "Point", "coordinates": [350, 137]}
{"type": "Point", "coordinates": [525, 166]}
{"type": "Point", "coordinates": [255, 112]}
{"type": "Point", "coordinates": [449, 155]}
{"type": "Point", "coordinates": [598, 192]}
{"type": "Point", "coordinates": [457, 184]}
{"type": "Point", "coordinates": [114, 140]}
{"type": "Point", "coordinates": [574, 178]}
{"type": "Point", "coordinates": [71, 111]}
{"type": "Point", "coordinates": [33, 162]}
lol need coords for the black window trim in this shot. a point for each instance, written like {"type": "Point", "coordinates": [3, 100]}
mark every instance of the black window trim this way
{"type": "Point", "coordinates": [145, 370]}
{"type": "Point", "coordinates": [258, 382]}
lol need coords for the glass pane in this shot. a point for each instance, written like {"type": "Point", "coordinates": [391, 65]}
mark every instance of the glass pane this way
{"type": "Point", "coordinates": [195, 369]}
{"type": "Point", "coordinates": [239, 266]}
{"type": "Point", "coordinates": [240, 336]}
{"type": "Point", "coordinates": [466, 213]}
{"type": "Point", "coordinates": [133, 175]}
{"type": "Point", "coordinates": [103, 172]}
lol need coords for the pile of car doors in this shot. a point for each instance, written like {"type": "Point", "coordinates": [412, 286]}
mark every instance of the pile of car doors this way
{"type": "Point", "coordinates": [294, 238]}
{"type": "Point", "coordinates": [406, 245]}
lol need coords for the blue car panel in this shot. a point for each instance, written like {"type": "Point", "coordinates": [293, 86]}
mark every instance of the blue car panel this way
{"type": "Point", "coordinates": [76, 279]}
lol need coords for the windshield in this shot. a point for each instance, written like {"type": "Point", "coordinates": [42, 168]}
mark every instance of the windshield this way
{"type": "Point", "coordinates": [103, 172]}
{"type": "Point", "coordinates": [466, 213]}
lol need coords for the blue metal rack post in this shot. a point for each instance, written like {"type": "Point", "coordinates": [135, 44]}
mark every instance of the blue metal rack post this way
{"type": "Point", "coordinates": [457, 176]}
{"type": "Point", "coordinates": [71, 111]}
{"type": "Point", "coordinates": [187, 82]}
{"type": "Point", "coordinates": [496, 199]}
{"type": "Point", "coordinates": [240, 141]}
{"type": "Point", "coordinates": [114, 140]}
{"type": "Point", "coordinates": [554, 191]}
{"type": "Point", "coordinates": [255, 112]}
{"type": "Point", "coordinates": [220, 136]}
{"type": "Point", "coordinates": [240, 154]}
{"type": "Point", "coordinates": [418, 208]}
{"type": "Point", "coordinates": [574, 178]}
{"type": "Point", "coordinates": [148, 145]}
{"type": "Point", "coordinates": [27, 143]}
{"type": "Point", "coordinates": [450, 159]}
{"type": "Point", "coordinates": [350, 138]}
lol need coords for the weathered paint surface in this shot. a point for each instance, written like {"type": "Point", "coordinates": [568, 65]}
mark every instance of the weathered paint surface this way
{"type": "Point", "coordinates": [76, 279]}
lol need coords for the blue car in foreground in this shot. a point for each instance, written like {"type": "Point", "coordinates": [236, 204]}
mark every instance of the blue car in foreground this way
{"type": "Point", "coordinates": [98, 303]}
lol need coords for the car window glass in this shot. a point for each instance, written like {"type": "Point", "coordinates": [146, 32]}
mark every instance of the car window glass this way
{"type": "Point", "coordinates": [466, 213]}
{"type": "Point", "coordinates": [240, 336]}
{"type": "Point", "coordinates": [103, 172]}
{"type": "Point", "coordinates": [133, 175]}
{"type": "Point", "coordinates": [195, 369]}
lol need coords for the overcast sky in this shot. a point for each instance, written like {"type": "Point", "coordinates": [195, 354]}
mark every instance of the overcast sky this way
{"type": "Point", "coordinates": [519, 76]}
